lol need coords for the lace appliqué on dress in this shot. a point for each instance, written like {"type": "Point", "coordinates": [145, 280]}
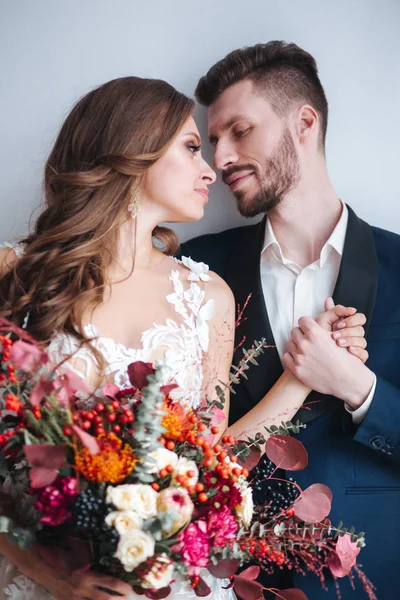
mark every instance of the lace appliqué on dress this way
{"type": "Point", "coordinates": [183, 342]}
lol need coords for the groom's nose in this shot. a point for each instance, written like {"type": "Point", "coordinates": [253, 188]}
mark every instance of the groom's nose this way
{"type": "Point", "coordinates": [225, 155]}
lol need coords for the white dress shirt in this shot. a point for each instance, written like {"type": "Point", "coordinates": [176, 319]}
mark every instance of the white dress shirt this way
{"type": "Point", "coordinates": [291, 292]}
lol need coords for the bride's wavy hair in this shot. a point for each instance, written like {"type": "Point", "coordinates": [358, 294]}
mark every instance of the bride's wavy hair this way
{"type": "Point", "coordinates": [112, 136]}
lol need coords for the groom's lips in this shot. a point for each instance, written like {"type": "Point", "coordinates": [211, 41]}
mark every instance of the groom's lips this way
{"type": "Point", "coordinates": [236, 179]}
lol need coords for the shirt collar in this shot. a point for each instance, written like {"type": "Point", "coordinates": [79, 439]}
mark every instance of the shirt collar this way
{"type": "Point", "coordinates": [336, 239]}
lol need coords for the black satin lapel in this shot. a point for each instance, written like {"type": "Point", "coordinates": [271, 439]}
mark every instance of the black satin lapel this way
{"type": "Point", "coordinates": [357, 281]}
{"type": "Point", "coordinates": [243, 276]}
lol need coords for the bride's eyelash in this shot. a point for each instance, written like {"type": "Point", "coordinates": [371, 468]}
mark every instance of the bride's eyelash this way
{"type": "Point", "coordinates": [193, 148]}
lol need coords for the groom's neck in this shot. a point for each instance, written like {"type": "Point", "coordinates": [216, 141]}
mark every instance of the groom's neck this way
{"type": "Point", "coordinates": [306, 217]}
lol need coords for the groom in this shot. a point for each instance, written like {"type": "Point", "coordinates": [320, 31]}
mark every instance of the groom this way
{"type": "Point", "coordinates": [267, 115]}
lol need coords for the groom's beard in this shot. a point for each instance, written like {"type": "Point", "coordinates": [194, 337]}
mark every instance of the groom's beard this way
{"type": "Point", "coordinates": [281, 174]}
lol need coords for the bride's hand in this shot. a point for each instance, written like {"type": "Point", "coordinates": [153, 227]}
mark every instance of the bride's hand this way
{"type": "Point", "coordinates": [314, 358]}
{"type": "Point", "coordinates": [89, 586]}
{"type": "Point", "coordinates": [346, 327]}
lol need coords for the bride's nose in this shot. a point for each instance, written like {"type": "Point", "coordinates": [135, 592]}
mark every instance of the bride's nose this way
{"type": "Point", "coordinates": [208, 175]}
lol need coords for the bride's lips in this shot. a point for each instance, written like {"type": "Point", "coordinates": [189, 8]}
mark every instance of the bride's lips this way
{"type": "Point", "coordinates": [203, 192]}
{"type": "Point", "coordinates": [237, 179]}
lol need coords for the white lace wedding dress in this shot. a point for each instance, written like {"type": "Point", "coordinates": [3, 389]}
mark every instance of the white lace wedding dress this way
{"type": "Point", "coordinates": [184, 342]}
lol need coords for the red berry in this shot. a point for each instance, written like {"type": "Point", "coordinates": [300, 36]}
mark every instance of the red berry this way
{"type": "Point", "coordinates": [111, 417]}
{"type": "Point", "coordinates": [99, 408]}
{"type": "Point", "coordinates": [116, 428]}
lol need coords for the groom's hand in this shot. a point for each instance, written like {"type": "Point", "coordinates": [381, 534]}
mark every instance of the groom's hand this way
{"type": "Point", "coordinates": [346, 325]}
{"type": "Point", "coordinates": [314, 358]}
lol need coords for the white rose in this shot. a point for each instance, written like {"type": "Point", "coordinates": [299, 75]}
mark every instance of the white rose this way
{"type": "Point", "coordinates": [182, 467]}
{"type": "Point", "coordinates": [139, 497]}
{"type": "Point", "coordinates": [134, 548]}
{"type": "Point", "coordinates": [179, 501]}
{"type": "Point", "coordinates": [124, 520]}
{"type": "Point", "coordinates": [244, 511]}
{"type": "Point", "coordinates": [160, 574]}
{"type": "Point", "coordinates": [162, 457]}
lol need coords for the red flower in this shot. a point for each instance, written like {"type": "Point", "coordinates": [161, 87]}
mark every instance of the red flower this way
{"type": "Point", "coordinates": [222, 526]}
{"type": "Point", "coordinates": [194, 544]}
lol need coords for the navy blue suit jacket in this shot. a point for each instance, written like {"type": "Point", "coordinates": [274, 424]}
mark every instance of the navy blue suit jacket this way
{"type": "Point", "coordinates": [360, 464]}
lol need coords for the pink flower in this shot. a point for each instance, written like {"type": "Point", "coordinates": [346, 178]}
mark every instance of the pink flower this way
{"type": "Point", "coordinates": [55, 500]}
{"type": "Point", "coordinates": [27, 357]}
{"type": "Point", "coordinates": [195, 546]}
{"type": "Point", "coordinates": [222, 526]}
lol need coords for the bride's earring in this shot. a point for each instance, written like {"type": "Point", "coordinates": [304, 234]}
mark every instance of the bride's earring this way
{"type": "Point", "coordinates": [134, 205]}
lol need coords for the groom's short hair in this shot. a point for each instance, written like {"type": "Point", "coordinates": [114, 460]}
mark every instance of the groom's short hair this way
{"type": "Point", "coordinates": [284, 72]}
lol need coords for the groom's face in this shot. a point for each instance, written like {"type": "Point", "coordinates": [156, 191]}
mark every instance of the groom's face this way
{"type": "Point", "coordinates": [254, 149]}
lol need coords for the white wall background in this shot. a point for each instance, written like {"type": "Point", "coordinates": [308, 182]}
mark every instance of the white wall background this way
{"type": "Point", "coordinates": [54, 51]}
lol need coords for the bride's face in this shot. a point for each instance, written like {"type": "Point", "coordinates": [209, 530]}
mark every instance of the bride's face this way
{"type": "Point", "coordinates": [175, 188]}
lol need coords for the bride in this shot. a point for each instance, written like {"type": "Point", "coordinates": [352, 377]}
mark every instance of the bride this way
{"type": "Point", "coordinates": [97, 282]}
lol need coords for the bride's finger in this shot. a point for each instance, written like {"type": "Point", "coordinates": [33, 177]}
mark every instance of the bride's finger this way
{"type": "Point", "coordinates": [359, 352]}
{"type": "Point", "coordinates": [292, 349]}
{"type": "Point", "coordinates": [357, 342]}
{"type": "Point", "coordinates": [329, 303]}
{"type": "Point", "coordinates": [349, 332]}
{"type": "Point", "coordinates": [350, 321]}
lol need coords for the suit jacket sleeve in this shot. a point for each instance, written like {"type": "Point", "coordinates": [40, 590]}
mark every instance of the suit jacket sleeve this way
{"type": "Point", "coordinates": [380, 428]}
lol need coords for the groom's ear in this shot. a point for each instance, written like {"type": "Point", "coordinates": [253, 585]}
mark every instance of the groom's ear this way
{"type": "Point", "coordinates": [307, 122]}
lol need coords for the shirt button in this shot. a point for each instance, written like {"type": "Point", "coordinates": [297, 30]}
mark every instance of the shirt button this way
{"type": "Point", "coordinates": [378, 442]}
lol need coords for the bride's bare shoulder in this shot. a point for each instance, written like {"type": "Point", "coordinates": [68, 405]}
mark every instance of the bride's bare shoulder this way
{"type": "Point", "coordinates": [8, 258]}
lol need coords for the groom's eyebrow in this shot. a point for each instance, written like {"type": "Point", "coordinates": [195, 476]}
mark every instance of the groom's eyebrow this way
{"type": "Point", "coordinates": [213, 138]}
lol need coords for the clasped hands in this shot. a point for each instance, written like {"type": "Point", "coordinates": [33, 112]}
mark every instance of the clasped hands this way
{"type": "Point", "coordinates": [328, 354]}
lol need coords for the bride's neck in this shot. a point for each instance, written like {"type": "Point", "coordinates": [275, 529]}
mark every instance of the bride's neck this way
{"type": "Point", "coordinates": [134, 248]}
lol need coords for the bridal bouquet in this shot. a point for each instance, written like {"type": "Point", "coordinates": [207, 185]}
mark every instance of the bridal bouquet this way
{"type": "Point", "coordinates": [137, 488]}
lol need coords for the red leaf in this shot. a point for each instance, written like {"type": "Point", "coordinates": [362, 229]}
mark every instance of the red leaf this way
{"type": "Point", "coordinates": [286, 452]}
{"type": "Point", "coordinates": [45, 455]}
{"type": "Point", "coordinates": [43, 388]}
{"type": "Point", "coordinates": [75, 383]}
{"type": "Point", "coordinates": [251, 572]}
{"type": "Point", "coordinates": [202, 590]}
{"type": "Point", "coordinates": [41, 476]}
{"type": "Point", "coordinates": [343, 559]}
{"type": "Point", "coordinates": [224, 568]}
{"type": "Point", "coordinates": [248, 589]}
{"type": "Point", "coordinates": [167, 389]}
{"type": "Point", "coordinates": [159, 594]}
{"type": "Point", "coordinates": [110, 390]}
{"type": "Point", "coordinates": [27, 357]}
{"type": "Point", "coordinates": [138, 372]}
{"type": "Point", "coordinates": [291, 594]}
{"type": "Point", "coordinates": [86, 439]}
{"type": "Point", "coordinates": [313, 504]}
{"type": "Point", "coordinates": [252, 459]}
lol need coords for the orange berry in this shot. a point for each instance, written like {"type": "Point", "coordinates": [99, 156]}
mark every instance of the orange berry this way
{"type": "Point", "coordinates": [170, 445]}
{"type": "Point", "coordinates": [208, 462]}
{"type": "Point", "coordinates": [190, 474]}
{"type": "Point", "coordinates": [199, 487]}
{"type": "Point", "coordinates": [163, 473]}
{"type": "Point", "coordinates": [155, 486]}
{"type": "Point", "coordinates": [202, 497]}
{"type": "Point", "coordinates": [215, 430]}
{"type": "Point", "coordinates": [202, 427]}
{"type": "Point", "coordinates": [237, 471]}
{"type": "Point", "coordinates": [169, 468]}
{"type": "Point", "coordinates": [231, 439]}
{"type": "Point", "coordinates": [217, 448]}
